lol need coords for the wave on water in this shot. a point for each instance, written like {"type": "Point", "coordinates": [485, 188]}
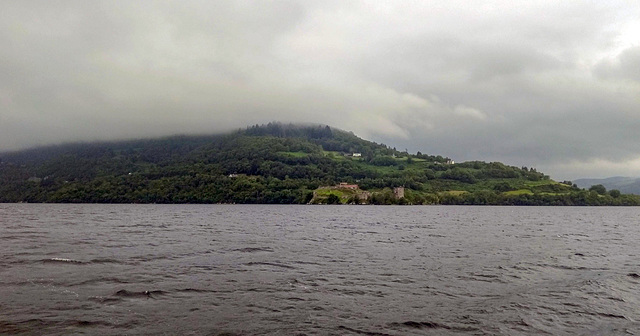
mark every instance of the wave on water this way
{"type": "Point", "coordinates": [430, 325]}
{"type": "Point", "coordinates": [254, 249]}
{"type": "Point", "coordinates": [105, 300]}
{"type": "Point", "coordinates": [63, 260]}
{"type": "Point", "coordinates": [153, 294]}
{"type": "Point", "coordinates": [258, 263]}
{"type": "Point", "coordinates": [102, 280]}
{"type": "Point", "coordinates": [363, 332]}
{"type": "Point", "coordinates": [140, 294]}
{"type": "Point", "coordinates": [28, 326]}
{"type": "Point", "coordinates": [106, 261]}
{"type": "Point", "coordinates": [57, 260]}
{"type": "Point", "coordinates": [196, 290]}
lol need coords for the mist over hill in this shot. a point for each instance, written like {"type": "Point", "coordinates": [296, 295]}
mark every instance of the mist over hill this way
{"type": "Point", "coordinates": [274, 163]}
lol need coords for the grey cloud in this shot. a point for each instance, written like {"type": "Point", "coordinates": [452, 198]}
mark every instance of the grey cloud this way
{"type": "Point", "coordinates": [542, 106]}
{"type": "Point", "coordinates": [625, 66]}
{"type": "Point", "coordinates": [491, 81]}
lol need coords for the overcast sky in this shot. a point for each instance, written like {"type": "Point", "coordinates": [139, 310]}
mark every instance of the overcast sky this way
{"type": "Point", "coordinates": [549, 84]}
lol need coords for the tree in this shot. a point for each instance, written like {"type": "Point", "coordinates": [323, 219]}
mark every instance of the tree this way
{"type": "Point", "coordinates": [615, 193]}
{"type": "Point", "coordinates": [333, 199]}
{"type": "Point", "coordinates": [599, 188]}
{"type": "Point", "coordinates": [384, 161]}
{"type": "Point", "coordinates": [502, 187]}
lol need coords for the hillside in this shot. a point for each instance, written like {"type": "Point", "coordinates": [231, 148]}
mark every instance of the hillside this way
{"type": "Point", "coordinates": [274, 163]}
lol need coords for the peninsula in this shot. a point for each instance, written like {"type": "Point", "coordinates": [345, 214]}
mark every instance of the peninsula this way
{"type": "Point", "coordinates": [275, 164]}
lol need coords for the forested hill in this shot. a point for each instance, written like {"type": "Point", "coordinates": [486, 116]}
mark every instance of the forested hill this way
{"type": "Point", "coordinates": [274, 163]}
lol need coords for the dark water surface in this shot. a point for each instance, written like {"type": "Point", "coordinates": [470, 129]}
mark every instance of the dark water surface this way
{"type": "Point", "coordinates": [318, 270]}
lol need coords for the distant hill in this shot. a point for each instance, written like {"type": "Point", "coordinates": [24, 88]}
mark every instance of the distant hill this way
{"type": "Point", "coordinates": [626, 185]}
{"type": "Point", "coordinates": [274, 163]}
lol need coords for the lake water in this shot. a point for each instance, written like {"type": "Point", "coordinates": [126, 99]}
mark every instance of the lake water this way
{"type": "Point", "coordinates": [318, 270]}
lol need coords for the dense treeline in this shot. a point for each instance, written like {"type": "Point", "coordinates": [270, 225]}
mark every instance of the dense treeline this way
{"type": "Point", "coordinates": [273, 163]}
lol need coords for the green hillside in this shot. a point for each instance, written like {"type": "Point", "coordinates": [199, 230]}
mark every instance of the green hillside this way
{"type": "Point", "coordinates": [274, 163]}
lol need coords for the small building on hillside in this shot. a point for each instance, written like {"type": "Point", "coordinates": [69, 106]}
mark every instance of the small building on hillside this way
{"type": "Point", "coordinates": [364, 196]}
{"type": "Point", "coordinates": [357, 155]}
{"type": "Point", "coordinates": [345, 185]}
{"type": "Point", "coordinates": [398, 192]}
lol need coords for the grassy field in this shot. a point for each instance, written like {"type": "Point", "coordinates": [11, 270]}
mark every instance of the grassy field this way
{"type": "Point", "coordinates": [345, 195]}
{"type": "Point", "coordinates": [519, 192]}
{"type": "Point", "coordinates": [454, 192]}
